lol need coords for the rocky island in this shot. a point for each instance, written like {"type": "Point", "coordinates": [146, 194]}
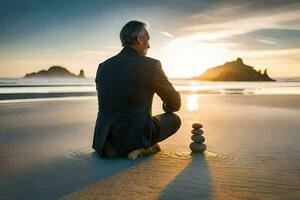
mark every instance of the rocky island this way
{"type": "Point", "coordinates": [233, 71]}
{"type": "Point", "coordinates": [55, 72]}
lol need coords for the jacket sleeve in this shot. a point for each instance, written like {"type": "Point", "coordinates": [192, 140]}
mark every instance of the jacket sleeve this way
{"type": "Point", "coordinates": [165, 90]}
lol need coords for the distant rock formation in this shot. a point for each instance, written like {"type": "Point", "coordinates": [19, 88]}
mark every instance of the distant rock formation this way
{"type": "Point", "coordinates": [55, 72]}
{"type": "Point", "coordinates": [233, 71]}
{"type": "Point", "coordinates": [81, 74]}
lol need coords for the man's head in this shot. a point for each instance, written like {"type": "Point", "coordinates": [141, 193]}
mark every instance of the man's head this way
{"type": "Point", "coordinates": [135, 34]}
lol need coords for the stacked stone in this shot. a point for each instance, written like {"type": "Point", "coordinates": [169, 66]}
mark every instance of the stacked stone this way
{"type": "Point", "coordinates": [198, 145]}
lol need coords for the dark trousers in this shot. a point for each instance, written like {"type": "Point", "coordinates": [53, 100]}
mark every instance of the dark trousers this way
{"type": "Point", "coordinates": [167, 124]}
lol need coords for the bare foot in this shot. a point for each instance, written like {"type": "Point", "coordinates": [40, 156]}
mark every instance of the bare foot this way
{"type": "Point", "coordinates": [143, 152]}
{"type": "Point", "coordinates": [135, 153]}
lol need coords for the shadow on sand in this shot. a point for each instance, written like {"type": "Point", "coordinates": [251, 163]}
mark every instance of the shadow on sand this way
{"type": "Point", "coordinates": [193, 182]}
{"type": "Point", "coordinates": [62, 176]}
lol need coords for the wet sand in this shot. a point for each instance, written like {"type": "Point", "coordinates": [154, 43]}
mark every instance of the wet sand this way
{"type": "Point", "coordinates": [253, 152]}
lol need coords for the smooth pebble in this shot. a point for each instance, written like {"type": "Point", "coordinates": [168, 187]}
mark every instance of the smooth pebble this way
{"type": "Point", "coordinates": [199, 148]}
{"type": "Point", "coordinates": [197, 132]}
{"type": "Point", "coordinates": [198, 138]}
{"type": "Point", "coordinates": [197, 125]}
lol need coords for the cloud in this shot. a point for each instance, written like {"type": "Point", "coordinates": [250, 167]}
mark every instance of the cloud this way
{"type": "Point", "coordinates": [267, 41]}
{"type": "Point", "coordinates": [276, 52]}
{"type": "Point", "coordinates": [223, 21]}
{"type": "Point", "coordinates": [242, 26]}
{"type": "Point", "coordinates": [167, 34]}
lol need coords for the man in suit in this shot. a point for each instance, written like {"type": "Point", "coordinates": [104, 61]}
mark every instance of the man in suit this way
{"type": "Point", "coordinates": [125, 85]}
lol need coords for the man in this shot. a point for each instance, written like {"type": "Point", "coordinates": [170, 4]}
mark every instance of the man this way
{"type": "Point", "coordinates": [125, 85]}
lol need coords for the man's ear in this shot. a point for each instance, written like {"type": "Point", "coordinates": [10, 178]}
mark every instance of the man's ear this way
{"type": "Point", "coordinates": [139, 40]}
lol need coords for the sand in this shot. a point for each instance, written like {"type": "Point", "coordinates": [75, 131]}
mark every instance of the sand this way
{"type": "Point", "coordinates": [253, 152]}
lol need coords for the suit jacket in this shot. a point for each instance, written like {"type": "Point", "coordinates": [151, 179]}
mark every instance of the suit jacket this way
{"type": "Point", "coordinates": [125, 86]}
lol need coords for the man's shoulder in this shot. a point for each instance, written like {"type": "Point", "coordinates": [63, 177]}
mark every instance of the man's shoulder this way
{"type": "Point", "coordinates": [102, 65]}
{"type": "Point", "coordinates": [149, 60]}
{"type": "Point", "coordinates": [111, 59]}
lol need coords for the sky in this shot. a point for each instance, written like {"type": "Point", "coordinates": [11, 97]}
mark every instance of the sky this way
{"type": "Point", "coordinates": [187, 36]}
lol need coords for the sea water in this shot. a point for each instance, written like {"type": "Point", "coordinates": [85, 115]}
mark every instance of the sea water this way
{"type": "Point", "coordinates": [18, 88]}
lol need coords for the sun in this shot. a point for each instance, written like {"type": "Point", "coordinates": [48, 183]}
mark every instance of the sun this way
{"type": "Point", "coordinates": [186, 57]}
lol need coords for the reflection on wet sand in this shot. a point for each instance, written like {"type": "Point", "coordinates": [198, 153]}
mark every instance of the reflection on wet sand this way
{"type": "Point", "coordinates": [192, 102]}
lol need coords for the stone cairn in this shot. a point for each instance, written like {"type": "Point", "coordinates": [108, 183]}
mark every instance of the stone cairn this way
{"type": "Point", "coordinates": [197, 146]}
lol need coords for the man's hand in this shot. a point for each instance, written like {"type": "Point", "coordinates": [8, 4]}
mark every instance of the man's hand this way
{"type": "Point", "coordinates": [167, 108]}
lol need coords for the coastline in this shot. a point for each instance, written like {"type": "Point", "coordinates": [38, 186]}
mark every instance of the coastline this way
{"type": "Point", "coordinates": [14, 96]}
{"type": "Point", "coordinates": [40, 89]}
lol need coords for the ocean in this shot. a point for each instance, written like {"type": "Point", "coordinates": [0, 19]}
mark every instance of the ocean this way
{"type": "Point", "coordinates": [18, 88]}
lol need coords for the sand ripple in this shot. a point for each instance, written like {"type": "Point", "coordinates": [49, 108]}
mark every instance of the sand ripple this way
{"type": "Point", "coordinates": [208, 155]}
{"type": "Point", "coordinates": [79, 154]}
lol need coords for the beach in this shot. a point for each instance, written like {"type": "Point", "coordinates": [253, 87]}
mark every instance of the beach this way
{"type": "Point", "coordinates": [235, 64]}
{"type": "Point", "coordinates": [253, 151]}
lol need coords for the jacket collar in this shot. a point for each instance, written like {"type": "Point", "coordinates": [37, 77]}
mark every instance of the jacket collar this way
{"type": "Point", "coordinates": [129, 51]}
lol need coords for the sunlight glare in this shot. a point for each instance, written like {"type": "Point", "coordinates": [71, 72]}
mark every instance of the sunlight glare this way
{"type": "Point", "coordinates": [187, 57]}
{"type": "Point", "coordinates": [192, 102]}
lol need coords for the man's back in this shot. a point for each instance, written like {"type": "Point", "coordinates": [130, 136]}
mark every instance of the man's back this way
{"type": "Point", "coordinates": [126, 84]}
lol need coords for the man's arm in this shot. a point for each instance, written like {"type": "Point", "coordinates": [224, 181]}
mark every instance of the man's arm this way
{"type": "Point", "coordinates": [165, 90]}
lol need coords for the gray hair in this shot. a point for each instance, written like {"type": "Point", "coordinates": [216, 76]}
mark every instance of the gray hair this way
{"type": "Point", "coordinates": [131, 31]}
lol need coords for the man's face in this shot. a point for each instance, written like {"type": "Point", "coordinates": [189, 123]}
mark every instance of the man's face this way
{"type": "Point", "coordinates": [143, 41]}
